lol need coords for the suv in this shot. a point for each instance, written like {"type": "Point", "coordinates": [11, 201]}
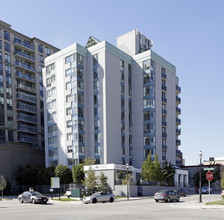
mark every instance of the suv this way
{"type": "Point", "coordinates": [68, 193]}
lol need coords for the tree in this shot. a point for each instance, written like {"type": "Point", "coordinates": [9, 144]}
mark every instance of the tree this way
{"type": "Point", "coordinates": [222, 181]}
{"type": "Point", "coordinates": [147, 168]}
{"type": "Point", "coordinates": [48, 173]}
{"type": "Point", "coordinates": [3, 184]}
{"type": "Point", "coordinates": [64, 173]}
{"type": "Point", "coordinates": [19, 174]}
{"type": "Point", "coordinates": [90, 180]}
{"type": "Point", "coordinates": [168, 174]}
{"type": "Point", "coordinates": [30, 176]}
{"type": "Point", "coordinates": [78, 173]}
{"type": "Point", "coordinates": [158, 174]}
{"type": "Point", "coordinates": [103, 185]}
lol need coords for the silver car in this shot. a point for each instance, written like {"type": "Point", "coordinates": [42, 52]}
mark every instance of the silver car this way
{"type": "Point", "coordinates": [99, 197]}
{"type": "Point", "coordinates": [167, 196]}
{"type": "Point", "coordinates": [32, 196]}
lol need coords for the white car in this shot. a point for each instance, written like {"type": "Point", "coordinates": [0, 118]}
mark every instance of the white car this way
{"type": "Point", "coordinates": [68, 193]}
{"type": "Point", "coordinates": [99, 197]}
{"type": "Point", "coordinates": [205, 189]}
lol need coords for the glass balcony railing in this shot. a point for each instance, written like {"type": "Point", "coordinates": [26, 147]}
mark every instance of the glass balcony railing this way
{"type": "Point", "coordinates": [178, 99]}
{"type": "Point", "coordinates": [25, 44]}
{"type": "Point", "coordinates": [178, 120]}
{"type": "Point", "coordinates": [164, 147]}
{"type": "Point", "coordinates": [164, 135]}
{"type": "Point", "coordinates": [178, 88]}
{"type": "Point", "coordinates": [27, 98]}
{"type": "Point", "coordinates": [24, 55]}
{"type": "Point", "coordinates": [28, 129]}
{"type": "Point", "coordinates": [178, 110]}
{"type": "Point", "coordinates": [22, 75]}
{"type": "Point", "coordinates": [27, 118]}
{"type": "Point", "coordinates": [164, 75]}
{"type": "Point", "coordinates": [22, 86]}
{"type": "Point", "coordinates": [25, 66]}
{"type": "Point", "coordinates": [164, 111]}
{"type": "Point", "coordinates": [178, 142]}
{"type": "Point", "coordinates": [164, 99]}
{"type": "Point", "coordinates": [21, 106]}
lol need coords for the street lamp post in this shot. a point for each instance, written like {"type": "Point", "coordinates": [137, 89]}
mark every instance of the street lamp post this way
{"type": "Point", "coordinates": [200, 198]}
{"type": "Point", "coordinates": [127, 166]}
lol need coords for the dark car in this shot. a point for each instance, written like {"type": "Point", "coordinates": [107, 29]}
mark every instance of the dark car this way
{"type": "Point", "coordinates": [167, 196]}
{"type": "Point", "coordinates": [32, 196]}
{"type": "Point", "coordinates": [180, 192]}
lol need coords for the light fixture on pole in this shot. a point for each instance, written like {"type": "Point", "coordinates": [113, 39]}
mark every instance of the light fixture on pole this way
{"type": "Point", "coordinates": [127, 166]}
{"type": "Point", "coordinates": [200, 199]}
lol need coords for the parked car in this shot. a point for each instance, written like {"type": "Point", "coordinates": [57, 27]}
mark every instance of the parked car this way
{"type": "Point", "coordinates": [205, 189]}
{"type": "Point", "coordinates": [181, 192]}
{"type": "Point", "coordinates": [68, 193]}
{"type": "Point", "coordinates": [167, 196]}
{"type": "Point", "coordinates": [99, 197]}
{"type": "Point", "coordinates": [32, 196]}
{"type": "Point", "coordinates": [222, 194]}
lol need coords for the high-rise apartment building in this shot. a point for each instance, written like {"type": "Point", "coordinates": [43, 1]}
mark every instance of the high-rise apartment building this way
{"type": "Point", "coordinates": [21, 98]}
{"type": "Point", "coordinates": [115, 104]}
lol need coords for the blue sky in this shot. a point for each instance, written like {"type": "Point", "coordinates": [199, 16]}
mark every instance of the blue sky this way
{"type": "Point", "coordinates": [188, 33]}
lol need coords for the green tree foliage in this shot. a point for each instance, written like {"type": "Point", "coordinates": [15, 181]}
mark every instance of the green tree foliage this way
{"type": "Point", "coordinates": [204, 181]}
{"type": "Point", "coordinates": [48, 173]}
{"type": "Point", "coordinates": [130, 179]}
{"type": "Point", "coordinates": [64, 173]}
{"type": "Point", "coordinates": [90, 180]}
{"type": "Point", "coordinates": [151, 170]}
{"type": "Point", "coordinates": [222, 181]}
{"type": "Point", "coordinates": [89, 161]}
{"type": "Point", "coordinates": [168, 174]}
{"type": "Point", "coordinates": [158, 174]}
{"type": "Point", "coordinates": [40, 176]}
{"type": "Point", "coordinates": [147, 168]}
{"type": "Point", "coordinates": [102, 183]}
{"type": "Point", "coordinates": [30, 176]}
{"type": "Point", "coordinates": [78, 173]}
{"type": "Point", "coordinates": [3, 184]}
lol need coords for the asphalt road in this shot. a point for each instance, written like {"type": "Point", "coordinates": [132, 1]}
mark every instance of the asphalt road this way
{"type": "Point", "coordinates": [135, 208]}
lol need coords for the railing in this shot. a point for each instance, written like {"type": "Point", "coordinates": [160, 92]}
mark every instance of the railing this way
{"type": "Point", "coordinates": [178, 110]}
{"type": "Point", "coordinates": [23, 44]}
{"type": "Point", "coordinates": [25, 87]}
{"type": "Point", "coordinates": [178, 88]}
{"type": "Point", "coordinates": [164, 75]}
{"type": "Point", "coordinates": [19, 96]}
{"type": "Point", "coordinates": [164, 134]}
{"type": "Point", "coordinates": [20, 74]}
{"type": "Point", "coordinates": [23, 65]}
{"type": "Point", "coordinates": [27, 118]}
{"type": "Point", "coordinates": [164, 111]}
{"type": "Point", "coordinates": [24, 55]}
{"type": "Point", "coordinates": [164, 99]}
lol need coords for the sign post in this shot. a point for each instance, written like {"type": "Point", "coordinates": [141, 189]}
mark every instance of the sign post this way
{"type": "Point", "coordinates": [209, 177]}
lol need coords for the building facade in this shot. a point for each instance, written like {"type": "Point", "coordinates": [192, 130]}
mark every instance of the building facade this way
{"type": "Point", "coordinates": [115, 104]}
{"type": "Point", "coordinates": [21, 92]}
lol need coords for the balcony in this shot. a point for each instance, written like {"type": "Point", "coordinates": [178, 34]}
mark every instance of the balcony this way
{"type": "Point", "coordinates": [24, 87]}
{"type": "Point", "coordinates": [27, 129]}
{"type": "Point", "coordinates": [164, 135]}
{"type": "Point", "coordinates": [24, 76]}
{"type": "Point", "coordinates": [164, 88]}
{"type": "Point", "coordinates": [178, 110]}
{"type": "Point", "coordinates": [25, 66]}
{"type": "Point", "coordinates": [23, 55]}
{"type": "Point", "coordinates": [178, 89]}
{"type": "Point", "coordinates": [164, 111]}
{"type": "Point", "coordinates": [178, 100]}
{"type": "Point", "coordinates": [164, 147]}
{"type": "Point", "coordinates": [164, 76]}
{"type": "Point", "coordinates": [27, 119]}
{"type": "Point", "coordinates": [178, 142]}
{"type": "Point", "coordinates": [164, 99]}
{"type": "Point", "coordinates": [178, 131]}
{"type": "Point", "coordinates": [164, 123]}
{"type": "Point", "coordinates": [26, 108]}
{"type": "Point", "coordinates": [178, 152]}
{"type": "Point", "coordinates": [178, 121]}
{"type": "Point", "coordinates": [23, 44]}
{"type": "Point", "coordinates": [26, 98]}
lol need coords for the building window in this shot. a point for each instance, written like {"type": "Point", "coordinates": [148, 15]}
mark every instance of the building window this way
{"type": "Point", "coordinates": [7, 47]}
{"type": "Point", "coordinates": [68, 85]}
{"type": "Point", "coordinates": [68, 98]}
{"type": "Point", "coordinates": [41, 58]}
{"type": "Point", "coordinates": [7, 35]}
{"type": "Point", "coordinates": [7, 58]}
{"type": "Point", "coordinates": [69, 123]}
{"type": "Point", "coordinates": [70, 58]}
{"type": "Point", "coordinates": [68, 111]}
{"type": "Point", "coordinates": [47, 51]}
{"type": "Point", "coordinates": [69, 136]}
{"type": "Point", "coordinates": [40, 48]}
{"type": "Point", "coordinates": [50, 67]}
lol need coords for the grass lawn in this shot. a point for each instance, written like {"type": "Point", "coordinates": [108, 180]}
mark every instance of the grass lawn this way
{"type": "Point", "coordinates": [221, 202]}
